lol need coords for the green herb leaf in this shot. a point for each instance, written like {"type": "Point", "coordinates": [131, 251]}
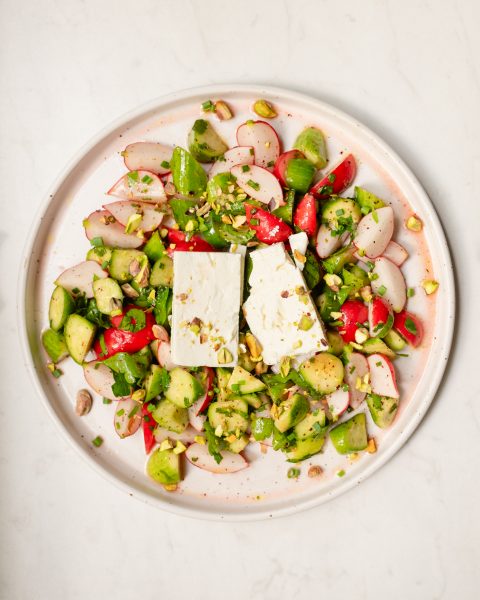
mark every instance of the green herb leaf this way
{"type": "Point", "coordinates": [134, 320]}
{"type": "Point", "coordinates": [213, 443]}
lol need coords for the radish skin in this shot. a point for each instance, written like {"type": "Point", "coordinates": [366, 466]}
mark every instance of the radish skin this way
{"type": "Point", "coordinates": [269, 189]}
{"type": "Point", "coordinates": [396, 253]}
{"type": "Point", "coordinates": [239, 155]}
{"type": "Point", "coordinates": [101, 224]}
{"type": "Point", "coordinates": [81, 276]}
{"type": "Point", "coordinates": [375, 231]}
{"type": "Point", "coordinates": [390, 284]}
{"type": "Point", "coordinates": [382, 376]}
{"type": "Point", "coordinates": [338, 402]}
{"type": "Point", "coordinates": [147, 156]}
{"type": "Point", "coordinates": [356, 367]}
{"type": "Point", "coordinates": [139, 185]}
{"type": "Point", "coordinates": [264, 140]}
{"type": "Point", "coordinates": [100, 378]}
{"type": "Point", "coordinates": [124, 209]}
{"type": "Point", "coordinates": [199, 456]}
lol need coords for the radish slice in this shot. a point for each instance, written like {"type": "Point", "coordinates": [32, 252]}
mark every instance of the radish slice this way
{"type": "Point", "coordinates": [382, 376]}
{"type": "Point", "coordinates": [186, 437]}
{"type": "Point", "coordinates": [260, 184]}
{"type": "Point", "coordinates": [124, 209]}
{"type": "Point", "coordinates": [299, 242]}
{"type": "Point", "coordinates": [375, 231]}
{"type": "Point", "coordinates": [81, 276]}
{"type": "Point", "coordinates": [356, 367]}
{"type": "Point", "coordinates": [380, 317]}
{"type": "Point", "coordinates": [338, 402]}
{"type": "Point", "coordinates": [147, 156]}
{"type": "Point", "coordinates": [264, 140]}
{"type": "Point", "coordinates": [164, 356]}
{"type": "Point", "coordinates": [100, 378]}
{"type": "Point", "coordinates": [199, 456]}
{"type": "Point", "coordinates": [139, 185]}
{"type": "Point", "coordinates": [390, 284]}
{"type": "Point", "coordinates": [196, 421]}
{"type": "Point", "coordinates": [327, 243]}
{"type": "Point", "coordinates": [240, 155]}
{"type": "Point", "coordinates": [128, 417]}
{"type": "Point", "coordinates": [396, 253]}
{"type": "Point", "coordinates": [101, 224]}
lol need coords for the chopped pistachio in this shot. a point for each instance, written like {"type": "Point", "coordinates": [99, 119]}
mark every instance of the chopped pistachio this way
{"type": "Point", "coordinates": [219, 431]}
{"type": "Point", "coordinates": [285, 365]}
{"type": "Point", "coordinates": [138, 395]}
{"type": "Point", "coordinates": [223, 111]}
{"type": "Point", "coordinates": [199, 439]}
{"type": "Point", "coordinates": [333, 281]}
{"type": "Point", "coordinates": [264, 109]}
{"type": "Point", "coordinates": [166, 445]}
{"type": "Point", "coordinates": [299, 256]}
{"type": "Point", "coordinates": [430, 286]}
{"type": "Point", "coordinates": [305, 323]}
{"type": "Point", "coordinates": [361, 335]}
{"type": "Point", "coordinates": [179, 448]}
{"type": "Point", "coordinates": [224, 356]}
{"type": "Point", "coordinates": [253, 345]}
{"type": "Point", "coordinates": [315, 471]}
{"type": "Point", "coordinates": [171, 487]}
{"type": "Point", "coordinates": [371, 446]}
{"type": "Point", "coordinates": [133, 223]}
{"type": "Point", "coordinates": [414, 224]}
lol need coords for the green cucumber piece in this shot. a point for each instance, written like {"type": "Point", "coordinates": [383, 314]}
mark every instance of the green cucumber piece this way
{"type": "Point", "coordinates": [394, 341]}
{"type": "Point", "coordinates": [285, 212]}
{"type": "Point", "coordinates": [218, 185]}
{"type": "Point", "coordinates": [312, 425]}
{"type": "Point", "coordinates": [229, 415]}
{"type": "Point", "coordinates": [305, 448]}
{"type": "Point", "coordinates": [79, 336]}
{"type": "Point", "coordinates": [383, 409]}
{"type": "Point", "coordinates": [377, 346]}
{"type": "Point", "coordinates": [355, 278]}
{"type": "Point", "coordinates": [188, 175]}
{"type": "Point", "coordinates": [154, 248]}
{"type": "Point", "coordinates": [323, 372]}
{"type": "Point", "coordinates": [154, 383]}
{"type": "Point", "coordinates": [204, 142]}
{"type": "Point", "coordinates": [242, 382]}
{"type": "Point", "coordinates": [340, 208]}
{"type": "Point", "coordinates": [335, 343]}
{"type": "Point", "coordinates": [239, 444]}
{"type": "Point", "coordinates": [60, 308]}
{"type": "Point", "coordinates": [163, 466]}
{"type": "Point", "coordinates": [312, 143]}
{"type": "Point", "coordinates": [350, 436]}
{"type": "Point", "coordinates": [367, 201]}
{"type": "Point", "coordinates": [184, 388]}
{"type": "Point", "coordinates": [171, 417]}
{"type": "Point", "coordinates": [54, 344]}
{"type": "Point", "coordinates": [108, 296]}
{"type": "Point", "coordinates": [299, 174]}
{"type": "Point", "coordinates": [162, 272]}
{"type": "Point", "coordinates": [101, 255]}
{"type": "Point", "coordinates": [290, 412]}
{"type": "Point", "coordinates": [120, 262]}
{"type": "Point", "coordinates": [336, 261]}
{"type": "Point", "coordinates": [327, 303]}
{"type": "Point", "coordinates": [223, 376]}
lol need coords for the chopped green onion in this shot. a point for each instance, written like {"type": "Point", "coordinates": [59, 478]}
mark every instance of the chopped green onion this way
{"type": "Point", "coordinates": [165, 164]}
{"type": "Point", "coordinates": [340, 473]}
{"type": "Point", "coordinates": [293, 473]}
{"type": "Point", "coordinates": [208, 106]}
{"type": "Point", "coordinates": [253, 184]}
{"type": "Point", "coordinates": [340, 212]}
{"type": "Point", "coordinates": [410, 292]}
{"type": "Point", "coordinates": [245, 168]}
{"type": "Point", "coordinates": [331, 178]}
{"type": "Point", "coordinates": [410, 326]}
{"type": "Point", "coordinates": [147, 179]}
{"type": "Point", "coordinates": [375, 216]}
{"type": "Point", "coordinates": [97, 442]}
{"type": "Point", "coordinates": [107, 401]}
{"type": "Point", "coordinates": [57, 373]}
{"type": "Point", "coordinates": [381, 290]}
{"type": "Point", "coordinates": [254, 222]}
{"type": "Point", "coordinates": [96, 241]}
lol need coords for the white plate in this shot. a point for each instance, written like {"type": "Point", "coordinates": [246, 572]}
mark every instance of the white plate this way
{"type": "Point", "coordinates": [263, 490]}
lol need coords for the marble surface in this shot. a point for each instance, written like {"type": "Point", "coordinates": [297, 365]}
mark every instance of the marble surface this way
{"type": "Point", "coordinates": [410, 71]}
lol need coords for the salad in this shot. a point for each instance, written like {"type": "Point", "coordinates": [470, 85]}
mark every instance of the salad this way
{"type": "Point", "coordinates": [232, 296]}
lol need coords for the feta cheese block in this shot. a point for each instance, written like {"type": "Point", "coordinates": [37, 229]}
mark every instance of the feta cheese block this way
{"type": "Point", "coordinates": [299, 244]}
{"type": "Point", "coordinates": [279, 309]}
{"type": "Point", "coordinates": [206, 302]}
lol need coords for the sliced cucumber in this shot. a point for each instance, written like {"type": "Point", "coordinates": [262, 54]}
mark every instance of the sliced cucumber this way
{"type": "Point", "coordinates": [101, 255]}
{"type": "Point", "coordinates": [394, 341]}
{"type": "Point", "coordinates": [183, 389]}
{"type": "Point", "coordinates": [382, 409]}
{"type": "Point", "coordinates": [163, 466]}
{"type": "Point", "coordinates": [290, 412]}
{"type": "Point", "coordinates": [350, 436]}
{"type": "Point", "coordinates": [312, 425]}
{"type": "Point", "coordinates": [154, 382]}
{"type": "Point", "coordinates": [242, 382]}
{"type": "Point", "coordinates": [120, 262]}
{"type": "Point", "coordinates": [377, 346]}
{"type": "Point", "coordinates": [79, 336]}
{"type": "Point", "coordinates": [154, 248]}
{"type": "Point", "coordinates": [324, 372]}
{"type": "Point", "coordinates": [355, 278]}
{"type": "Point", "coordinates": [60, 308]}
{"type": "Point", "coordinates": [54, 344]}
{"type": "Point", "coordinates": [204, 142]}
{"type": "Point", "coordinates": [239, 444]}
{"type": "Point", "coordinates": [171, 417]}
{"type": "Point", "coordinates": [252, 400]}
{"type": "Point", "coordinates": [162, 272]}
{"type": "Point", "coordinates": [312, 143]}
{"type": "Point", "coordinates": [335, 343]}
{"type": "Point", "coordinates": [338, 209]}
{"type": "Point", "coordinates": [305, 448]}
{"type": "Point", "coordinates": [223, 376]}
{"type": "Point", "coordinates": [108, 296]}
{"type": "Point", "coordinates": [229, 415]}
{"type": "Point", "coordinates": [188, 175]}
{"type": "Point", "coordinates": [299, 174]}
{"type": "Point", "coordinates": [336, 261]}
{"type": "Point", "coordinates": [367, 200]}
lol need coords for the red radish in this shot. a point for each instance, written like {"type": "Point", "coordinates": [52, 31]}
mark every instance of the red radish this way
{"type": "Point", "coordinates": [199, 456]}
{"type": "Point", "coordinates": [356, 368]}
{"type": "Point", "coordinates": [164, 356]}
{"type": "Point", "coordinates": [338, 180]}
{"type": "Point", "coordinates": [147, 156]}
{"type": "Point", "coordinates": [196, 421]}
{"type": "Point", "coordinates": [186, 437]}
{"type": "Point", "coordinates": [139, 185]}
{"type": "Point", "coordinates": [100, 378]}
{"type": "Point", "coordinates": [396, 253]}
{"type": "Point", "coordinates": [380, 317]}
{"type": "Point", "coordinates": [101, 224]}
{"type": "Point", "coordinates": [260, 184]}
{"type": "Point", "coordinates": [195, 416]}
{"type": "Point", "coordinates": [239, 155]}
{"type": "Point", "coordinates": [305, 216]}
{"type": "Point", "coordinates": [389, 284]}
{"type": "Point", "coordinates": [264, 140]}
{"type": "Point", "coordinates": [327, 243]}
{"type": "Point", "coordinates": [268, 228]}
{"type": "Point", "coordinates": [409, 327]}
{"type": "Point", "coordinates": [124, 209]}
{"type": "Point", "coordinates": [280, 167]}
{"type": "Point", "coordinates": [148, 425]}
{"type": "Point", "coordinates": [81, 276]}
{"type": "Point", "coordinates": [354, 314]}
{"type": "Point", "coordinates": [382, 376]}
{"type": "Point", "coordinates": [374, 232]}
{"type": "Point", "coordinates": [128, 417]}
{"type": "Point", "coordinates": [337, 402]}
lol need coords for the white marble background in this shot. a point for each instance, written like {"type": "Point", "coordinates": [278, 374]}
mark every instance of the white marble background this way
{"type": "Point", "coordinates": [411, 71]}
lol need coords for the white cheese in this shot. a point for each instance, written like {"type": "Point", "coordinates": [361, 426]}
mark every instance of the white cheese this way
{"type": "Point", "coordinates": [299, 243]}
{"type": "Point", "coordinates": [279, 309]}
{"type": "Point", "coordinates": [242, 250]}
{"type": "Point", "coordinates": [206, 302]}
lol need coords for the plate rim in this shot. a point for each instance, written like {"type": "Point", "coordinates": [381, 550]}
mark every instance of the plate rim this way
{"type": "Point", "coordinates": [448, 285]}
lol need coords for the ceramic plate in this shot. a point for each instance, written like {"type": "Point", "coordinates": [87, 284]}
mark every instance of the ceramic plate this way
{"type": "Point", "coordinates": [263, 490]}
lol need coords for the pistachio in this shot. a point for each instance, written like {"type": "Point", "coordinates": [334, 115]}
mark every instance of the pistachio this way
{"type": "Point", "coordinates": [306, 323]}
{"type": "Point", "coordinates": [129, 291]}
{"type": "Point", "coordinates": [253, 345]}
{"type": "Point", "coordinates": [430, 286]}
{"type": "Point", "coordinates": [333, 281]}
{"type": "Point", "coordinates": [170, 188]}
{"type": "Point", "coordinates": [171, 487]}
{"type": "Point", "coordinates": [138, 395]}
{"type": "Point", "coordinates": [199, 439]}
{"type": "Point", "coordinates": [224, 356]}
{"type": "Point", "coordinates": [366, 293]}
{"type": "Point", "coordinates": [166, 445]}
{"type": "Point", "coordinates": [223, 111]}
{"type": "Point", "coordinates": [299, 256]}
{"type": "Point", "coordinates": [315, 471]}
{"type": "Point", "coordinates": [83, 403]}
{"type": "Point", "coordinates": [179, 448]}
{"type": "Point", "coordinates": [261, 368]}
{"type": "Point", "coordinates": [133, 223]}
{"type": "Point", "coordinates": [226, 219]}
{"type": "Point", "coordinates": [190, 225]}
{"type": "Point", "coordinates": [219, 431]}
{"type": "Point", "coordinates": [371, 446]}
{"type": "Point", "coordinates": [285, 365]}
{"type": "Point", "coordinates": [264, 109]}
{"type": "Point", "coordinates": [414, 224]}
{"type": "Point", "coordinates": [160, 333]}
{"type": "Point", "coordinates": [361, 335]}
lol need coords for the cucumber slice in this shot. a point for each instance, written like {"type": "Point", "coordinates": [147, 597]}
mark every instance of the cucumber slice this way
{"type": "Point", "coordinates": [355, 278]}
{"type": "Point", "coordinates": [204, 142]}
{"type": "Point", "coordinates": [188, 175]}
{"type": "Point", "coordinates": [305, 448]}
{"type": "Point", "coordinates": [229, 415]}
{"type": "Point", "coordinates": [163, 466]}
{"type": "Point", "coordinates": [239, 444]}
{"type": "Point", "coordinates": [335, 343]}
{"type": "Point", "coordinates": [327, 303]}
{"type": "Point", "coordinates": [350, 436]}
{"type": "Point", "coordinates": [154, 248]}
{"type": "Point", "coordinates": [101, 255]}
{"type": "Point", "coordinates": [251, 399]}
{"type": "Point", "coordinates": [79, 336]}
{"type": "Point", "coordinates": [299, 174]}
{"type": "Point", "coordinates": [290, 412]}
{"type": "Point", "coordinates": [312, 425]}
{"type": "Point", "coordinates": [324, 372]}
{"type": "Point", "coordinates": [242, 382]}
{"type": "Point", "coordinates": [382, 409]}
{"type": "Point", "coordinates": [223, 376]}
{"type": "Point", "coordinates": [367, 200]}
{"type": "Point", "coordinates": [171, 417]}
{"type": "Point", "coordinates": [54, 344]}
{"type": "Point", "coordinates": [162, 272]}
{"type": "Point", "coordinates": [183, 389]}
{"type": "Point", "coordinates": [394, 341]}
{"type": "Point", "coordinates": [338, 209]}
{"type": "Point", "coordinates": [108, 296]}
{"type": "Point", "coordinates": [312, 143]}
{"type": "Point", "coordinates": [154, 382]}
{"type": "Point", "coordinates": [120, 262]}
{"type": "Point", "coordinates": [377, 346]}
{"type": "Point", "coordinates": [60, 308]}
{"type": "Point", "coordinates": [336, 261]}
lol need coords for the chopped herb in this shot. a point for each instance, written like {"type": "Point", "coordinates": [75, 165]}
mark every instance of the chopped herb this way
{"type": "Point", "coordinates": [132, 177]}
{"type": "Point", "coordinates": [107, 401]}
{"type": "Point", "coordinates": [133, 321]}
{"type": "Point", "coordinates": [254, 222]}
{"type": "Point", "coordinates": [96, 241]}
{"type": "Point", "coordinates": [245, 168]}
{"type": "Point", "coordinates": [208, 106]}
{"type": "Point", "coordinates": [253, 184]}
{"type": "Point", "coordinates": [97, 442]}
{"type": "Point", "coordinates": [147, 179]}
{"type": "Point", "coordinates": [410, 326]}
{"type": "Point", "coordinates": [375, 216]}
{"type": "Point", "coordinates": [104, 264]}
{"type": "Point", "coordinates": [75, 290]}
{"type": "Point", "coordinates": [317, 427]}
{"type": "Point", "coordinates": [200, 126]}
{"type": "Point", "coordinates": [401, 354]}
{"type": "Point", "coordinates": [381, 290]}
{"type": "Point", "coordinates": [293, 473]}
{"type": "Point", "coordinates": [340, 473]}
{"type": "Point", "coordinates": [57, 373]}
{"type": "Point", "coordinates": [213, 443]}
{"type": "Point", "coordinates": [165, 164]}
{"type": "Point", "coordinates": [339, 212]}
{"type": "Point", "coordinates": [410, 292]}
{"type": "Point", "coordinates": [270, 163]}
{"type": "Point", "coordinates": [120, 412]}
{"type": "Point", "coordinates": [134, 411]}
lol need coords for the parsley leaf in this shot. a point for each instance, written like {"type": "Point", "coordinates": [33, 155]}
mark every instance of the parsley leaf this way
{"type": "Point", "coordinates": [214, 443]}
